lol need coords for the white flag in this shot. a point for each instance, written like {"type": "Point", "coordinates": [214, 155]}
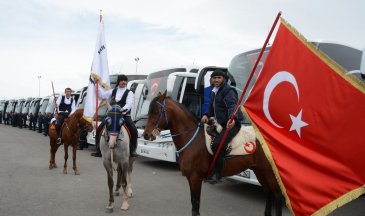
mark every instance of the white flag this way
{"type": "Point", "coordinates": [99, 74]}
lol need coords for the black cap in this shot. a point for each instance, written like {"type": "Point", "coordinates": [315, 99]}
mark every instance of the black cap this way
{"type": "Point", "coordinates": [218, 72]}
{"type": "Point", "coordinates": [122, 77]}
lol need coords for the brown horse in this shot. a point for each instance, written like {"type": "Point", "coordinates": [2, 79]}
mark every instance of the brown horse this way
{"type": "Point", "coordinates": [194, 159]}
{"type": "Point", "coordinates": [70, 136]}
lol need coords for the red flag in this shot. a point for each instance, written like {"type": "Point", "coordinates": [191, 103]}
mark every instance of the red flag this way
{"type": "Point", "coordinates": [311, 118]}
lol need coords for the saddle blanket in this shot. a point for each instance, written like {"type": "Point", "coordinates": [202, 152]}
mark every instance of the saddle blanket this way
{"type": "Point", "coordinates": [242, 144]}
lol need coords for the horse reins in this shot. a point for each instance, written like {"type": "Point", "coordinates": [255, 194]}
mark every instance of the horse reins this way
{"type": "Point", "coordinates": [163, 112]}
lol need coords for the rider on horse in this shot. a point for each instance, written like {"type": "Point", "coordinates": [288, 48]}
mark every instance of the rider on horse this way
{"type": "Point", "coordinates": [66, 106]}
{"type": "Point", "coordinates": [223, 100]}
{"type": "Point", "coordinates": [123, 97]}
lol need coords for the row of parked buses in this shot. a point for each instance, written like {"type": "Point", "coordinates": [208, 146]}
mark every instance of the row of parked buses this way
{"type": "Point", "coordinates": [36, 113]}
{"type": "Point", "coordinates": [32, 113]}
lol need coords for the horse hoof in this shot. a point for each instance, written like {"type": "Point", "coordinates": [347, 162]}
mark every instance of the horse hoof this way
{"type": "Point", "coordinates": [54, 165]}
{"type": "Point", "coordinates": [125, 206]}
{"type": "Point", "coordinates": [109, 208]}
{"type": "Point", "coordinates": [64, 171]}
{"type": "Point", "coordinates": [116, 193]}
{"type": "Point", "coordinates": [50, 166]}
{"type": "Point", "coordinates": [77, 172]}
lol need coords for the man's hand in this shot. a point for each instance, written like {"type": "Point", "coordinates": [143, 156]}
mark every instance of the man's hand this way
{"type": "Point", "coordinates": [204, 119]}
{"type": "Point", "coordinates": [230, 125]}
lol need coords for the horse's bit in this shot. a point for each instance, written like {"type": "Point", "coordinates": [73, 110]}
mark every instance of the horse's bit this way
{"type": "Point", "coordinates": [156, 131]}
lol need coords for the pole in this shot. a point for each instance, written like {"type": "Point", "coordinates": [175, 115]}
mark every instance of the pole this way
{"type": "Point", "coordinates": [54, 99]}
{"type": "Point", "coordinates": [136, 59]}
{"type": "Point", "coordinates": [39, 85]}
{"type": "Point", "coordinates": [243, 93]}
{"type": "Point", "coordinates": [97, 89]}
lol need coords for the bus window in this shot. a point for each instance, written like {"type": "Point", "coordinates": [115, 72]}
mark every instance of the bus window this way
{"type": "Point", "coordinates": [191, 99]}
{"type": "Point", "coordinates": [133, 87]}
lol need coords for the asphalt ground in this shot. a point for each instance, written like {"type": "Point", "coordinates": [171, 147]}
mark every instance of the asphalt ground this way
{"type": "Point", "coordinates": [28, 187]}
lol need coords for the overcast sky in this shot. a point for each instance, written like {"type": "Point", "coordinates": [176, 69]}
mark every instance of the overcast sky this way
{"type": "Point", "coordinates": [56, 39]}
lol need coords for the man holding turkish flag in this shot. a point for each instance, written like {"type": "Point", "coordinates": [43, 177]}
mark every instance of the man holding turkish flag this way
{"type": "Point", "coordinates": [310, 117]}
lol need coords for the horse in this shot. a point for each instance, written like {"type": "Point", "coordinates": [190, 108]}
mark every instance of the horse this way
{"type": "Point", "coordinates": [70, 135]}
{"type": "Point", "coordinates": [114, 147]}
{"type": "Point", "coordinates": [194, 158]}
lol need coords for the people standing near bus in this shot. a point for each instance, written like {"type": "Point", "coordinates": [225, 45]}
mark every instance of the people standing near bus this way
{"type": "Point", "coordinates": [223, 100]}
{"type": "Point", "coordinates": [66, 106]}
{"type": "Point", "coordinates": [123, 97]}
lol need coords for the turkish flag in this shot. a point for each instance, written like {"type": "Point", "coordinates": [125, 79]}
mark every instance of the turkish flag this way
{"type": "Point", "coordinates": [310, 117]}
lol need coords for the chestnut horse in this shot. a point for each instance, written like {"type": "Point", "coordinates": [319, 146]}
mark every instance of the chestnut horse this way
{"type": "Point", "coordinates": [70, 137]}
{"type": "Point", "coordinates": [194, 158]}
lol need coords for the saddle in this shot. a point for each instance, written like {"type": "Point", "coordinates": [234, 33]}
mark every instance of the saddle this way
{"type": "Point", "coordinates": [242, 144]}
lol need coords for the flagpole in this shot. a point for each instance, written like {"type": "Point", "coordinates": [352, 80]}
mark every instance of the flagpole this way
{"type": "Point", "coordinates": [97, 89]}
{"type": "Point", "coordinates": [243, 93]}
{"type": "Point", "coordinates": [54, 99]}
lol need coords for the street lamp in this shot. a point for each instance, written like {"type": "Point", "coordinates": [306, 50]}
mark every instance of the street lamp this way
{"type": "Point", "coordinates": [39, 85]}
{"type": "Point", "coordinates": [136, 59]}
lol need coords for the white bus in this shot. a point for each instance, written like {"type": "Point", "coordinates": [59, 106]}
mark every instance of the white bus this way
{"type": "Point", "coordinates": [191, 87]}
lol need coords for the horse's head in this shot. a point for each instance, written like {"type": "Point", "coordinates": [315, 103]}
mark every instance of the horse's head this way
{"type": "Point", "coordinates": [114, 122]}
{"type": "Point", "coordinates": [157, 117]}
{"type": "Point", "coordinates": [84, 125]}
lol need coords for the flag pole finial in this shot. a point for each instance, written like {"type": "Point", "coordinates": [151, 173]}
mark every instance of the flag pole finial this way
{"type": "Point", "coordinates": [101, 14]}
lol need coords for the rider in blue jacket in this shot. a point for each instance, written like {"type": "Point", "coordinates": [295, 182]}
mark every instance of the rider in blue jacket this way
{"type": "Point", "coordinates": [223, 100]}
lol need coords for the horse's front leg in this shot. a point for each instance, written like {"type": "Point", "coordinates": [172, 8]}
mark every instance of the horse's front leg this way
{"type": "Point", "coordinates": [124, 178]}
{"type": "Point", "coordinates": [52, 160]}
{"type": "Point", "coordinates": [119, 181]}
{"type": "Point", "coordinates": [269, 202]}
{"type": "Point", "coordinates": [74, 167]}
{"type": "Point", "coordinates": [129, 185]}
{"type": "Point", "coordinates": [129, 178]}
{"type": "Point", "coordinates": [65, 147]}
{"type": "Point", "coordinates": [195, 183]}
{"type": "Point", "coordinates": [109, 171]}
{"type": "Point", "coordinates": [278, 202]}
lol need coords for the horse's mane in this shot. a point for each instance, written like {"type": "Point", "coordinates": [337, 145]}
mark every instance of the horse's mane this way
{"type": "Point", "coordinates": [77, 114]}
{"type": "Point", "coordinates": [153, 107]}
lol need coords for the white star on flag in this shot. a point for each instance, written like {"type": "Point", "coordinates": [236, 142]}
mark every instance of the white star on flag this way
{"type": "Point", "coordinates": [297, 123]}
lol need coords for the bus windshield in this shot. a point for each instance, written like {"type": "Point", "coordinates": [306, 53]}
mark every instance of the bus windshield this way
{"type": "Point", "coordinates": [156, 82]}
{"type": "Point", "coordinates": [2, 104]}
{"type": "Point", "coordinates": [19, 106]}
{"type": "Point", "coordinates": [44, 106]}
{"type": "Point", "coordinates": [50, 105]}
{"type": "Point", "coordinates": [26, 107]}
{"type": "Point", "coordinates": [241, 66]}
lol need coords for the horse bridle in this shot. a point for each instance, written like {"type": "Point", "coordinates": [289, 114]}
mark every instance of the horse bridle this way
{"type": "Point", "coordinates": [114, 116]}
{"type": "Point", "coordinates": [157, 130]}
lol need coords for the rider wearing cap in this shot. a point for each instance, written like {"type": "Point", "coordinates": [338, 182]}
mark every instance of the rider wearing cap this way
{"type": "Point", "coordinates": [66, 106]}
{"type": "Point", "coordinates": [123, 97]}
{"type": "Point", "coordinates": [223, 100]}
